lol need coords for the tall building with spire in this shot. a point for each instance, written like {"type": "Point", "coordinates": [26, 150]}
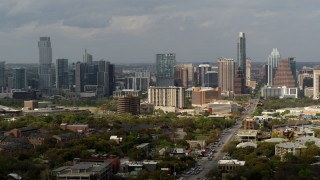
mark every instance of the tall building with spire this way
{"type": "Point", "coordinates": [273, 63]}
{"type": "Point", "coordinates": [45, 61]}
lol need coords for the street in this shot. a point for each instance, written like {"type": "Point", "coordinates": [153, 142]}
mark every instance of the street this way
{"type": "Point", "coordinates": [207, 165]}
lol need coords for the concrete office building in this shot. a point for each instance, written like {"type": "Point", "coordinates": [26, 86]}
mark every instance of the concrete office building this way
{"type": "Point", "coordinates": [273, 63]}
{"type": "Point", "coordinates": [167, 96]}
{"type": "Point", "coordinates": [45, 61]}
{"type": "Point", "coordinates": [165, 69]}
{"type": "Point", "coordinates": [20, 78]}
{"type": "Point", "coordinates": [226, 74]}
{"type": "Point", "coordinates": [62, 74]}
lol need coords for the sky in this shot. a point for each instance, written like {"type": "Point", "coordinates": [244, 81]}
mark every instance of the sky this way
{"type": "Point", "coordinates": [133, 31]}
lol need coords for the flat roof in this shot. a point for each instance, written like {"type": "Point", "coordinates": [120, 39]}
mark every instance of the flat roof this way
{"type": "Point", "coordinates": [232, 161]}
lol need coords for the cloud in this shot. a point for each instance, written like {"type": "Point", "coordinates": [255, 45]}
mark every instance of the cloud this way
{"type": "Point", "coordinates": [266, 14]}
{"type": "Point", "coordinates": [127, 24]}
{"type": "Point", "coordinates": [204, 27]}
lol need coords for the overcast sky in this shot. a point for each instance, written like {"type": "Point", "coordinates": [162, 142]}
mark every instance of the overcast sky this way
{"type": "Point", "coordinates": [135, 30]}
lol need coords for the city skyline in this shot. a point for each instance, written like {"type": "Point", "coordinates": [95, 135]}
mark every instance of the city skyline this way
{"type": "Point", "coordinates": [133, 32]}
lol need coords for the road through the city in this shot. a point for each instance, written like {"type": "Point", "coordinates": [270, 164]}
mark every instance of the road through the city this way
{"type": "Point", "coordinates": [227, 136]}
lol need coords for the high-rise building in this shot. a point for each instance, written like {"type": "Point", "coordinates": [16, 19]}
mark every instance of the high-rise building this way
{"type": "Point", "coordinates": [293, 68]}
{"type": "Point", "coordinates": [238, 85]}
{"type": "Point", "coordinates": [184, 75]}
{"type": "Point", "coordinates": [248, 69]}
{"type": "Point", "coordinates": [20, 78]}
{"type": "Point", "coordinates": [62, 74]}
{"type": "Point", "coordinates": [202, 71]}
{"type": "Point", "coordinates": [142, 81]}
{"type": "Point", "coordinates": [165, 69]}
{"type": "Point", "coordinates": [45, 60]}
{"type": "Point", "coordinates": [87, 58]}
{"type": "Point", "coordinates": [79, 77]}
{"type": "Point", "coordinates": [241, 54]}
{"type": "Point", "coordinates": [130, 83]}
{"type": "Point", "coordinates": [211, 79]}
{"type": "Point", "coordinates": [273, 63]}
{"type": "Point", "coordinates": [305, 72]}
{"type": "Point", "coordinates": [316, 79]}
{"type": "Point", "coordinates": [284, 76]}
{"type": "Point", "coordinates": [2, 75]}
{"type": "Point", "coordinates": [226, 74]}
{"type": "Point", "coordinates": [106, 80]}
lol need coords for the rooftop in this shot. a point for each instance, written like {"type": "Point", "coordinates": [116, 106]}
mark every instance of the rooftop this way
{"type": "Point", "coordinates": [289, 145]}
{"type": "Point", "coordinates": [232, 161]}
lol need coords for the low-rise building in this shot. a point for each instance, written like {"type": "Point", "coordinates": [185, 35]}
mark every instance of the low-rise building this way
{"type": "Point", "coordinates": [247, 144]}
{"type": "Point", "coordinates": [136, 166]}
{"type": "Point", "coordinates": [83, 170]}
{"type": "Point", "coordinates": [250, 123]}
{"type": "Point", "coordinates": [37, 139]}
{"type": "Point", "coordinates": [281, 92]}
{"type": "Point", "coordinates": [229, 166]}
{"type": "Point", "coordinates": [117, 139]}
{"type": "Point", "coordinates": [247, 135]}
{"type": "Point", "coordinates": [222, 107]}
{"type": "Point", "coordinates": [61, 138]}
{"type": "Point", "coordinates": [80, 128]}
{"type": "Point", "coordinates": [22, 132]}
{"type": "Point", "coordinates": [128, 104]}
{"type": "Point", "coordinates": [13, 146]}
{"type": "Point", "coordinates": [288, 147]}
{"type": "Point", "coordinates": [306, 139]}
{"type": "Point", "coordinates": [146, 108]}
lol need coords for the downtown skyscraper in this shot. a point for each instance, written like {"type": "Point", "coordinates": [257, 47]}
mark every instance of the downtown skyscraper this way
{"type": "Point", "coordinates": [226, 74]}
{"type": "Point", "coordinates": [240, 70]}
{"type": "Point", "coordinates": [273, 63]}
{"type": "Point", "coordinates": [165, 69]}
{"type": "Point", "coordinates": [62, 74]}
{"type": "Point", "coordinates": [45, 61]}
{"type": "Point", "coordinates": [241, 54]}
